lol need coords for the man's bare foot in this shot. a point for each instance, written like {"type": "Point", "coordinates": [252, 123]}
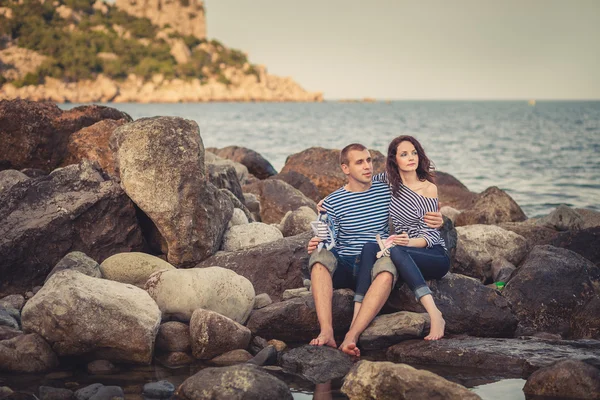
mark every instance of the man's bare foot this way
{"type": "Point", "coordinates": [348, 346]}
{"type": "Point", "coordinates": [324, 339]}
{"type": "Point", "coordinates": [438, 325]}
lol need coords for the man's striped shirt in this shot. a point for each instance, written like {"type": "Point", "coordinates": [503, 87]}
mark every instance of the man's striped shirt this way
{"type": "Point", "coordinates": [356, 217]}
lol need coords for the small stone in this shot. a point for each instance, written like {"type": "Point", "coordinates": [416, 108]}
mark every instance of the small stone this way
{"type": "Point", "coordinates": [88, 391]}
{"type": "Point", "coordinates": [159, 390]}
{"type": "Point", "coordinates": [101, 367]}
{"type": "Point", "coordinates": [267, 356]}
{"type": "Point", "coordinates": [278, 344]}
{"type": "Point", "coordinates": [293, 293]}
{"type": "Point", "coordinates": [50, 393]}
{"type": "Point", "coordinates": [262, 300]}
{"type": "Point", "coordinates": [109, 393]}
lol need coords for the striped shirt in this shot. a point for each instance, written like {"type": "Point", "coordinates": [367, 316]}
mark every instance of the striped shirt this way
{"type": "Point", "coordinates": [356, 217]}
{"type": "Point", "coordinates": [407, 209]}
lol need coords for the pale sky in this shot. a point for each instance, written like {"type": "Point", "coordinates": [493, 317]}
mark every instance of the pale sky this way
{"type": "Point", "coordinates": [420, 49]}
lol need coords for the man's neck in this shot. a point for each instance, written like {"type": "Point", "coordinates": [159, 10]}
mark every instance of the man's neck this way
{"type": "Point", "coordinates": [356, 186]}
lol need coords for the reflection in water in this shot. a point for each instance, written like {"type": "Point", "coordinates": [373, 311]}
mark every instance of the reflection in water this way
{"type": "Point", "coordinates": [323, 391]}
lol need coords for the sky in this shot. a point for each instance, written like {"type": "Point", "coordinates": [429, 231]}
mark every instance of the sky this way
{"type": "Point", "coordinates": [420, 49]}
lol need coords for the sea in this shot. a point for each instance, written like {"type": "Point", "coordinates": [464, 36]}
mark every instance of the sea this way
{"type": "Point", "coordinates": [543, 154]}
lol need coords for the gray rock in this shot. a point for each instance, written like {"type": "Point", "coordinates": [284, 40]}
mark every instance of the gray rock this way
{"type": "Point", "coordinates": [224, 177]}
{"type": "Point", "coordinates": [294, 293]}
{"type": "Point", "coordinates": [267, 356]}
{"type": "Point", "coordinates": [134, 268]}
{"type": "Point", "coordinates": [317, 364]}
{"type": "Point", "coordinates": [257, 344]}
{"type": "Point", "coordinates": [237, 382]}
{"type": "Point", "coordinates": [10, 177]}
{"type": "Point", "coordinates": [88, 391]}
{"type": "Point", "coordinates": [108, 393]}
{"type": "Point", "coordinates": [563, 218]}
{"type": "Point", "coordinates": [300, 182]}
{"type": "Point", "coordinates": [241, 204]}
{"type": "Point", "coordinates": [6, 319]}
{"type": "Point", "coordinates": [26, 353]}
{"type": "Point", "coordinates": [238, 218]}
{"type": "Point", "coordinates": [492, 206]}
{"type": "Point", "coordinates": [389, 329]}
{"type": "Point", "coordinates": [570, 379]}
{"type": "Point", "coordinates": [214, 334]}
{"type": "Point", "coordinates": [262, 300]}
{"type": "Point", "coordinates": [253, 203]}
{"type": "Point", "coordinates": [77, 261]}
{"type": "Point", "coordinates": [51, 393]}
{"type": "Point", "coordinates": [240, 237]}
{"type": "Point", "coordinates": [159, 390]}
{"type": "Point", "coordinates": [15, 301]}
{"type": "Point", "coordinates": [257, 165]}
{"type": "Point", "coordinates": [297, 221]}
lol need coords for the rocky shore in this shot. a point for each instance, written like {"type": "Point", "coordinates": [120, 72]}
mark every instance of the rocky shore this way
{"type": "Point", "coordinates": [127, 242]}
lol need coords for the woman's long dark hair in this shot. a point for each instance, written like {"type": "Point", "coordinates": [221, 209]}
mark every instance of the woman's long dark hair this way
{"type": "Point", "coordinates": [424, 169]}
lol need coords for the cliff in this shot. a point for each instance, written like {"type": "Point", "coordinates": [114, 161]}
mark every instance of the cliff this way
{"type": "Point", "coordinates": [136, 51]}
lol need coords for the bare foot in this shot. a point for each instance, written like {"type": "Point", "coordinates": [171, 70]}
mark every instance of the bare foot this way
{"type": "Point", "coordinates": [324, 339]}
{"type": "Point", "coordinates": [438, 324]}
{"type": "Point", "coordinates": [348, 346]}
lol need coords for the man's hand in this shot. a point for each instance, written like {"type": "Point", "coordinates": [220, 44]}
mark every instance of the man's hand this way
{"type": "Point", "coordinates": [312, 244]}
{"type": "Point", "coordinates": [434, 220]}
{"type": "Point", "coordinates": [320, 207]}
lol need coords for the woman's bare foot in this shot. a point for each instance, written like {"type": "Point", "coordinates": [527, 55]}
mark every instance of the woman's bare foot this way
{"type": "Point", "coordinates": [348, 346]}
{"type": "Point", "coordinates": [324, 339]}
{"type": "Point", "coordinates": [438, 325]}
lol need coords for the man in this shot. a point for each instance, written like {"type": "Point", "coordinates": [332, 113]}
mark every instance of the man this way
{"type": "Point", "coordinates": [359, 212]}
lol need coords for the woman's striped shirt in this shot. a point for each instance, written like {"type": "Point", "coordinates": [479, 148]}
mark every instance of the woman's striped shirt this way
{"type": "Point", "coordinates": [407, 209]}
{"type": "Point", "coordinates": [356, 217]}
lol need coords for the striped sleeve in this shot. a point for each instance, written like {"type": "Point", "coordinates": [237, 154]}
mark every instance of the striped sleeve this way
{"type": "Point", "coordinates": [381, 177]}
{"type": "Point", "coordinates": [431, 236]}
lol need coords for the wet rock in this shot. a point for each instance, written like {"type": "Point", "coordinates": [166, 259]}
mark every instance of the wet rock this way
{"type": "Point", "coordinates": [26, 353]}
{"type": "Point", "coordinates": [92, 143]}
{"type": "Point", "coordinates": [548, 288]}
{"type": "Point", "coordinates": [233, 357]}
{"type": "Point", "coordinates": [173, 336]}
{"type": "Point", "coordinates": [10, 177]}
{"type": "Point", "coordinates": [508, 358]}
{"type": "Point", "coordinates": [237, 218]}
{"type": "Point", "coordinates": [9, 333]}
{"type": "Point", "coordinates": [452, 192]}
{"type": "Point", "coordinates": [224, 177]}
{"type": "Point", "coordinates": [134, 268]}
{"type": "Point", "coordinates": [180, 292]}
{"type": "Point", "coordinates": [15, 301]}
{"type": "Point", "coordinates": [563, 218]}
{"type": "Point", "coordinates": [109, 393]}
{"type": "Point", "coordinates": [317, 364]}
{"type": "Point", "coordinates": [72, 209]}
{"type": "Point", "coordinates": [159, 390]}
{"type": "Point", "coordinates": [271, 267]}
{"type": "Point", "coordinates": [385, 380]}
{"type": "Point", "coordinates": [583, 242]}
{"type": "Point", "coordinates": [502, 269]}
{"type": "Point", "coordinates": [297, 221]}
{"type": "Point", "coordinates": [245, 236]}
{"type": "Point", "coordinates": [88, 391]}
{"type": "Point", "coordinates": [36, 134]}
{"type": "Point", "coordinates": [101, 367]}
{"type": "Point", "coordinates": [322, 167]}
{"type": "Point", "coordinates": [175, 359]}
{"type": "Point", "coordinates": [50, 393]}
{"type": "Point", "coordinates": [237, 382]}
{"type": "Point", "coordinates": [77, 261]}
{"type": "Point", "coordinates": [257, 165]}
{"type": "Point", "coordinates": [267, 356]}
{"type": "Point", "coordinates": [389, 329]}
{"type": "Point", "coordinates": [262, 300]}
{"type": "Point", "coordinates": [534, 234]}
{"type": "Point", "coordinates": [467, 305]}
{"type": "Point", "coordinates": [479, 245]}
{"type": "Point", "coordinates": [277, 198]}
{"type": "Point", "coordinates": [492, 206]}
{"type": "Point", "coordinates": [300, 182]}
{"type": "Point", "coordinates": [119, 322]}
{"type": "Point", "coordinates": [214, 334]}
{"type": "Point", "coordinates": [585, 323]}
{"type": "Point", "coordinates": [565, 379]}
{"type": "Point", "coordinates": [296, 320]}
{"type": "Point", "coordinates": [161, 166]}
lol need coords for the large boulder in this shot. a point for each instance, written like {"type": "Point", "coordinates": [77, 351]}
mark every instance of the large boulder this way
{"type": "Point", "coordinates": [77, 261]}
{"type": "Point", "coordinates": [78, 314]}
{"type": "Point", "coordinates": [237, 382]}
{"type": "Point", "coordinates": [257, 165]}
{"type": "Point", "coordinates": [26, 353]}
{"type": "Point", "coordinates": [452, 192]}
{"type": "Point", "coordinates": [245, 236]}
{"type": "Point", "coordinates": [507, 358]}
{"type": "Point", "coordinates": [571, 379]}
{"type": "Point", "coordinates": [300, 182]}
{"type": "Point", "coordinates": [467, 305]}
{"type": "Point", "coordinates": [389, 329]}
{"type": "Point", "coordinates": [548, 288]}
{"type": "Point", "coordinates": [161, 166]}
{"type": "Point", "coordinates": [533, 233]}
{"type": "Point", "coordinates": [180, 292]}
{"type": "Point", "coordinates": [585, 322]}
{"type": "Point", "coordinates": [563, 218]}
{"type": "Point", "coordinates": [134, 268]}
{"type": "Point", "coordinates": [591, 218]}
{"type": "Point", "coordinates": [386, 380]}
{"type": "Point", "coordinates": [479, 245]}
{"type": "Point", "coordinates": [322, 167]}
{"type": "Point", "coordinates": [295, 320]}
{"type": "Point", "coordinates": [272, 267]}
{"type": "Point", "coordinates": [584, 242]}
{"type": "Point", "coordinates": [73, 209]}
{"type": "Point", "coordinates": [491, 207]}
{"type": "Point", "coordinates": [213, 334]}
{"type": "Point", "coordinates": [318, 364]}
{"type": "Point", "coordinates": [36, 134]}
{"type": "Point", "coordinates": [277, 198]}
{"type": "Point", "coordinates": [92, 143]}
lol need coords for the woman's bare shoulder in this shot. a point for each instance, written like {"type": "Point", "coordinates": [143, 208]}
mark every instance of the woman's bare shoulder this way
{"type": "Point", "coordinates": [430, 190]}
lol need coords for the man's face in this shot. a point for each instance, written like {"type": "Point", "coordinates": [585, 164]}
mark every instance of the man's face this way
{"type": "Point", "coordinates": [359, 167]}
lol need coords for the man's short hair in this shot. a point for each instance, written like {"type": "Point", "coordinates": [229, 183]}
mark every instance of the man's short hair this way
{"type": "Point", "coordinates": [348, 149]}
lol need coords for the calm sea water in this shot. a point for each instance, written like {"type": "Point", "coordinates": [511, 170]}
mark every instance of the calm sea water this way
{"type": "Point", "coordinates": [542, 155]}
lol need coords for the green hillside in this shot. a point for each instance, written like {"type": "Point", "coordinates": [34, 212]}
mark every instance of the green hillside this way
{"type": "Point", "coordinates": [73, 46]}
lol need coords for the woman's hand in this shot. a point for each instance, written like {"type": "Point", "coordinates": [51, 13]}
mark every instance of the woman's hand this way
{"type": "Point", "coordinates": [312, 244]}
{"type": "Point", "coordinates": [401, 239]}
{"type": "Point", "coordinates": [434, 220]}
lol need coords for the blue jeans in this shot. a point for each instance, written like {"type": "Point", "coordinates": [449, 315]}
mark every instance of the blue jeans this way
{"type": "Point", "coordinates": [346, 276]}
{"type": "Point", "coordinates": [414, 265]}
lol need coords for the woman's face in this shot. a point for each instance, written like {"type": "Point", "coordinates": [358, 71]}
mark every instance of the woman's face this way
{"type": "Point", "coordinates": [407, 157]}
